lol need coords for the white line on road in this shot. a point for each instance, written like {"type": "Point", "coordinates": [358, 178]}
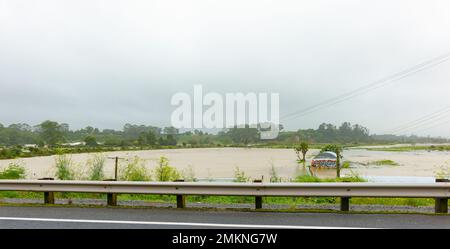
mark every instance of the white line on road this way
{"type": "Point", "coordinates": [172, 223]}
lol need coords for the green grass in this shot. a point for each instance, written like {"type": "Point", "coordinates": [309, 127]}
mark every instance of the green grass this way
{"type": "Point", "coordinates": [291, 201]}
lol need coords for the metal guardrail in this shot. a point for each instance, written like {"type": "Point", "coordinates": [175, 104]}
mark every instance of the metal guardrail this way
{"type": "Point", "coordinates": [439, 191]}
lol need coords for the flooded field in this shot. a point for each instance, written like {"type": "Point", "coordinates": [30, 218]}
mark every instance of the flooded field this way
{"type": "Point", "coordinates": [212, 163]}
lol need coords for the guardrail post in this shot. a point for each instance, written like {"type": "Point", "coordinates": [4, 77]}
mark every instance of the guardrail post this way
{"type": "Point", "coordinates": [49, 197]}
{"type": "Point", "coordinates": [181, 199]}
{"type": "Point", "coordinates": [441, 204]}
{"type": "Point", "coordinates": [345, 204]}
{"type": "Point", "coordinates": [258, 199]}
{"type": "Point", "coordinates": [111, 197]}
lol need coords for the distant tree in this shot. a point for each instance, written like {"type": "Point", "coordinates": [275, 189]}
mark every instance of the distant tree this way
{"type": "Point", "coordinates": [170, 130]}
{"type": "Point", "coordinates": [142, 140]}
{"type": "Point", "coordinates": [151, 138]}
{"type": "Point", "coordinates": [90, 141]}
{"type": "Point", "coordinates": [161, 141]}
{"type": "Point", "coordinates": [244, 135]}
{"type": "Point", "coordinates": [51, 132]}
{"type": "Point", "coordinates": [170, 140]}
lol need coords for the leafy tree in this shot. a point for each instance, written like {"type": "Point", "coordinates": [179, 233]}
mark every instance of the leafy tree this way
{"type": "Point", "coordinates": [303, 149]}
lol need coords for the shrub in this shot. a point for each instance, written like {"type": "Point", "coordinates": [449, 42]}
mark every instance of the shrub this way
{"type": "Point", "coordinates": [13, 171]}
{"type": "Point", "coordinates": [134, 171]}
{"type": "Point", "coordinates": [164, 172]}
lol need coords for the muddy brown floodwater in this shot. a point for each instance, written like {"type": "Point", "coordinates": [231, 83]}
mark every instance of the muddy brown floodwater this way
{"type": "Point", "coordinates": [257, 162]}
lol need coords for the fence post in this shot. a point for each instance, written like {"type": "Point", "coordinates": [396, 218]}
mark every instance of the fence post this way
{"type": "Point", "coordinates": [111, 198]}
{"type": "Point", "coordinates": [258, 199]}
{"type": "Point", "coordinates": [181, 199]}
{"type": "Point", "coordinates": [49, 197]}
{"type": "Point", "coordinates": [441, 204]}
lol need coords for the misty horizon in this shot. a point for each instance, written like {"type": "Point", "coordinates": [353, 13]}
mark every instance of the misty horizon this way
{"type": "Point", "coordinates": [105, 64]}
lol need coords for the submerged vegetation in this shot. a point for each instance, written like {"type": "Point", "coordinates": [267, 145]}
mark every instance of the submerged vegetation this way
{"type": "Point", "coordinates": [412, 148]}
{"type": "Point", "coordinates": [383, 162]}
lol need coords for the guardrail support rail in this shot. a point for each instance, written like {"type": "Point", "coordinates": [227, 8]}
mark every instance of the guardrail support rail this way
{"type": "Point", "coordinates": [181, 199]}
{"type": "Point", "coordinates": [258, 199]}
{"type": "Point", "coordinates": [441, 204]}
{"type": "Point", "coordinates": [111, 198]}
{"type": "Point", "coordinates": [49, 197]}
{"type": "Point", "coordinates": [345, 204]}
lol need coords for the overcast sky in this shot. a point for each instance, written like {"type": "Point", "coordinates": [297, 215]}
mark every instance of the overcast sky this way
{"type": "Point", "coordinates": [105, 63]}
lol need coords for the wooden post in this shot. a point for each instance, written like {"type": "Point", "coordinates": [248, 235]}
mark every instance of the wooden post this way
{"type": "Point", "coordinates": [111, 198]}
{"type": "Point", "coordinates": [116, 166]}
{"type": "Point", "coordinates": [49, 197]}
{"type": "Point", "coordinates": [345, 204]}
{"type": "Point", "coordinates": [441, 204]}
{"type": "Point", "coordinates": [181, 199]}
{"type": "Point", "coordinates": [258, 199]}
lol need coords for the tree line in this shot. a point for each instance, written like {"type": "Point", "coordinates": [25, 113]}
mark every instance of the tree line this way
{"type": "Point", "coordinates": [51, 133]}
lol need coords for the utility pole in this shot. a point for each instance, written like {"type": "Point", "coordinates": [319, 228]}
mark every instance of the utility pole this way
{"type": "Point", "coordinates": [116, 165]}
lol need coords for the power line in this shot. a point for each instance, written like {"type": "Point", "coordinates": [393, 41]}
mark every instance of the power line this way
{"type": "Point", "coordinates": [370, 87]}
{"type": "Point", "coordinates": [434, 126]}
{"type": "Point", "coordinates": [420, 121]}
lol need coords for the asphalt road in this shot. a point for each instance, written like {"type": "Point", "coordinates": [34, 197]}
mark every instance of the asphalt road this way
{"type": "Point", "coordinates": [16, 217]}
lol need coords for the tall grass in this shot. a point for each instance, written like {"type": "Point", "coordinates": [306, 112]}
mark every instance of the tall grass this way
{"type": "Point", "coordinates": [443, 171]}
{"type": "Point", "coordinates": [240, 176]}
{"type": "Point", "coordinates": [64, 167]}
{"type": "Point", "coordinates": [274, 174]}
{"type": "Point", "coordinates": [96, 165]}
{"type": "Point", "coordinates": [188, 174]}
